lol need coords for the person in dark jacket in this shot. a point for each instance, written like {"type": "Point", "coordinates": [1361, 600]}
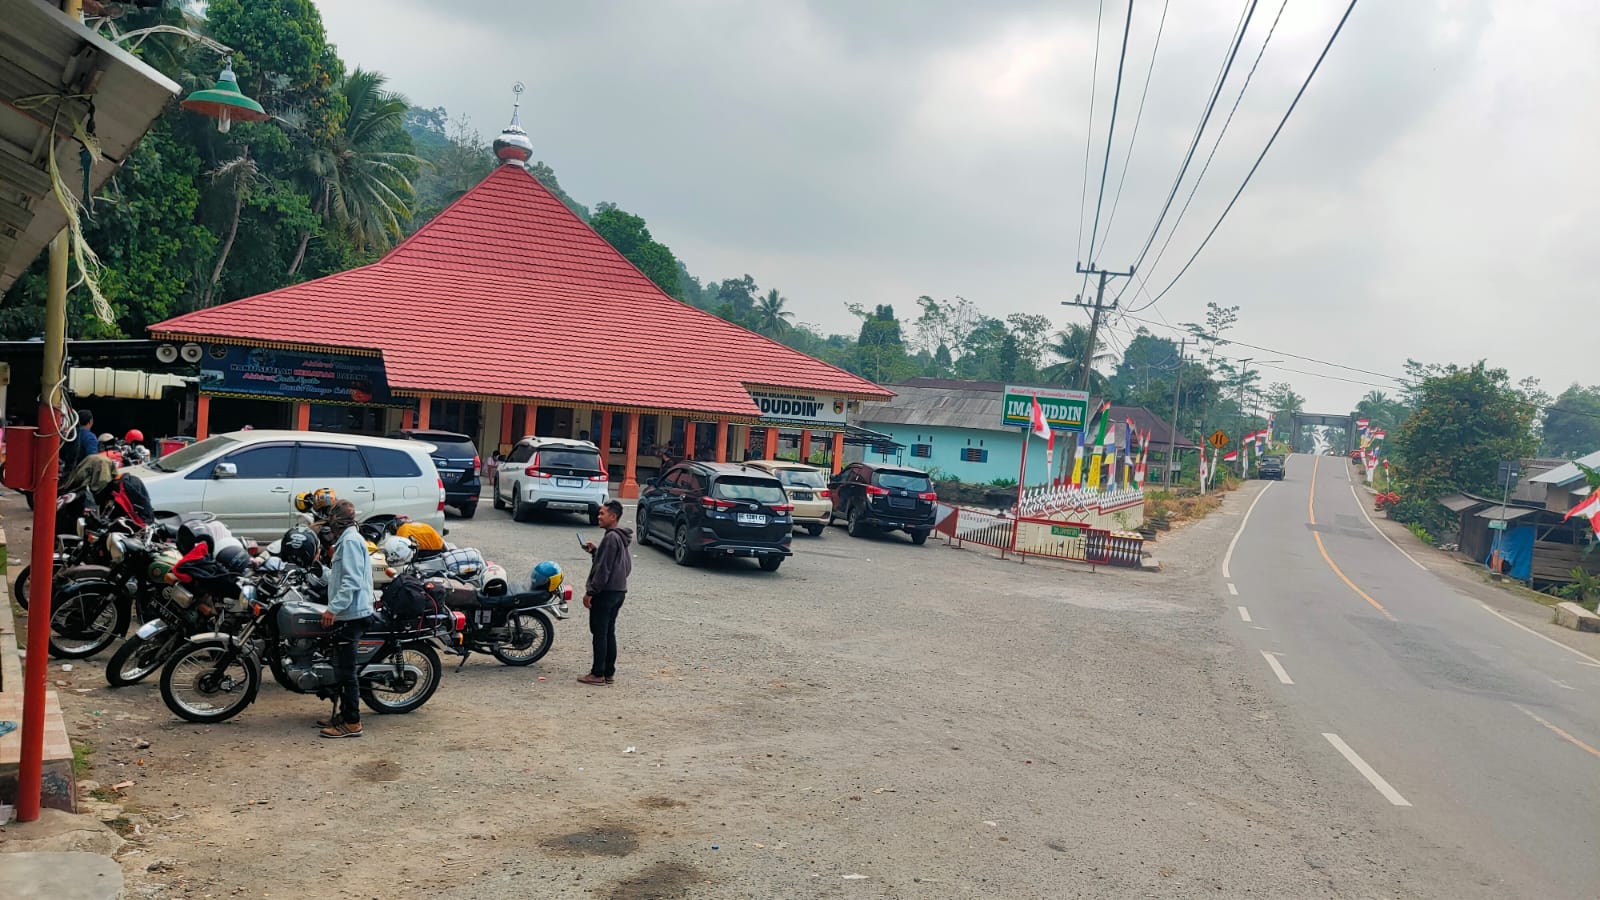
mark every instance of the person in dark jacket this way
{"type": "Point", "coordinates": [610, 566]}
{"type": "Point", "coordinates": [116, 494]}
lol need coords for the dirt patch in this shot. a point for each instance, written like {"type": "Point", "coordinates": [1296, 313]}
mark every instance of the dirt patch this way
{"type": "Point", "coordinates": [662, 880]}
{"type": "Point", "coordinates": [378, 770]}
{"type": "Point", "coordinates": [603, 840]}
{"type": "Point", "coordinates": [662, 803]}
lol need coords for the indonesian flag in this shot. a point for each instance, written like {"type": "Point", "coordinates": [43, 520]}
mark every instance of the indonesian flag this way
{"type": "Point", "coordinates": [1231, 456]}
{"type": "Point", "coordinates": [1379, 434]}
{"type": "Point", "coordinates": [1202, 465]}
{"type": "Point", "coordinates": [1589, 509]}
{"type": "Point", "coordinates": [1041, 428]}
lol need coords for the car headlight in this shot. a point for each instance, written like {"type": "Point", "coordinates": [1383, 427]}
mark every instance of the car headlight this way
{"type": "Point", "coordinates": [116, 545]}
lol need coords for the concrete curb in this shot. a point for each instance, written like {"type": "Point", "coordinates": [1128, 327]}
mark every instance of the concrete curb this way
{"type": "Point", "coordinates": [60, 876]}
{"type": "Point", "coordinates": [1571, 615]}
{"type": "Point", "coordinates": [10, 659]}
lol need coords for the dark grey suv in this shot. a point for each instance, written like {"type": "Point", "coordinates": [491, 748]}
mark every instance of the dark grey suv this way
{"type": "Point", "coordinates": [456, 458]}
{"type": "Point", "coordinates": [873, 497]}
{"type": "Point", "coordinates": [705, 509]}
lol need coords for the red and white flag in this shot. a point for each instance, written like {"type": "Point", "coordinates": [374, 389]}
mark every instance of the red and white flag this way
{"type": "Point", "coordinates": [1231, 456]}
{"type": "Point", "coordinates": [1041, 428]}
{"type": "Point", "coordinates": [1589, 509]}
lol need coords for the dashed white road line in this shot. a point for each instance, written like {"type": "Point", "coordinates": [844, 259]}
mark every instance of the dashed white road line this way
{"type": "Point", "coordinates": [1277, 667]}
{"type": "Point", "coordinates": [1368, 772]}
{"type": "Point", "coordinates": [1233, 590]}
{"type": "Point", "coordinates": [1227, 559]}
{"type": "Point", "coordinates": [1244, 614]}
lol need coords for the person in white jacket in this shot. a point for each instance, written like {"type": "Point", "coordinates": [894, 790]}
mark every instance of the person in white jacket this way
{"type": "Point", "coordinates": [350, 608]}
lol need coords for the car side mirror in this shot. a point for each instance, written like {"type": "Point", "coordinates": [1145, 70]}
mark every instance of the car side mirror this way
{"type": "Point", "coordinates": [225, 470]}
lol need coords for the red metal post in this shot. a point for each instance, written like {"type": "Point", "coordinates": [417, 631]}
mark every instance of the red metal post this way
{"type": "Point", "coordinates": [30, 771]}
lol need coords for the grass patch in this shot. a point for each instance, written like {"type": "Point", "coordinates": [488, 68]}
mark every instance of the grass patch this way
{"type": "Point", "coordinates": [81, 751]}
{"type": "Point", "coordinates": [1181, 506]}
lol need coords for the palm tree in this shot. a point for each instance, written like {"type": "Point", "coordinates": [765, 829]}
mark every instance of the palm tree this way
{"type": "Point", "coordinates": [359, 185]}
{"type": "Point", "coordinates": [240, 175]}
{"type": "Point", "coordinates": [1071, 346]}
{"type": "Point", "coordinates": [770, 316]}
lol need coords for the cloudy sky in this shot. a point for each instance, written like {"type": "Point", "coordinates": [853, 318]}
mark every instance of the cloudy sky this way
{"type": "Point", "coordinates": [1431, 197]}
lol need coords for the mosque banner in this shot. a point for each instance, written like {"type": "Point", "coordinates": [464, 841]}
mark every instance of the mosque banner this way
{"type": "Point", "coordinates": [796, 408]}
{"type": "Point", "coordinates": [296, 375]}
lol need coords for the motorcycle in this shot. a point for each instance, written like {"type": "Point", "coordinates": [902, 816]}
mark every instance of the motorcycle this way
{"type": "Point", "coordinates": [71, 547]}
{"type": "Point", "coordinates": [214, 676]}
{"type": "Point", "coordinates": [181, 611]}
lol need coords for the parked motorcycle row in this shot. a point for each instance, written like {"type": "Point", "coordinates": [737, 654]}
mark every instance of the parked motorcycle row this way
{"type": "Point", "coordinates": [213, 612]}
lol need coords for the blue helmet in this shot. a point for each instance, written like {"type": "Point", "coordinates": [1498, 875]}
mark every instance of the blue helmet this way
{"type": "Point", "coordinates": [546, 577]}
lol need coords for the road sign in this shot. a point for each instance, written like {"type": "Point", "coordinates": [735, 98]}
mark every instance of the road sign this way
{"type": "Point", "coordinates": [1497, 524]}
{"type": "Point", "coordinates": [1218, 439]}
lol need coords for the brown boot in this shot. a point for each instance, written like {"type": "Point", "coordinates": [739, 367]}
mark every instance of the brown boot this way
{"type": "Point", "coordinates": [342, 730]}
{"type": "Point", "coordinates": [611, 681]}
{"type": "Point", "coordinates": [591, 679]}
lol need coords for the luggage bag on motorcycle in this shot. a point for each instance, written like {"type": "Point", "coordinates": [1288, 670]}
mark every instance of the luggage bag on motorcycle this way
{"type": "Point", "coordinates": [408, 598]}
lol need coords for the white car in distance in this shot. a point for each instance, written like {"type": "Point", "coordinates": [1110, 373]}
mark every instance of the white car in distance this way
{"type": "Point", "coordinates": [554, 474]}
{"type": "Point", "coordinates": [249, 479]}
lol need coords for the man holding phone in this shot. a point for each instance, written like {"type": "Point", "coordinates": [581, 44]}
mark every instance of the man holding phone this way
{"type": "Point", "coordinates": [610, 566]}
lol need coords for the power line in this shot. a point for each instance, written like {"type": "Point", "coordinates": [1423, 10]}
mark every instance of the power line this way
{"type": "Point", "coordinates": [1195, 186]}
{"type": "Point", "coordinates": [1194, 143]}
{"type": "Point", "coordinates": [1088, 134]}
{"type": "Point", "coordinates": [1111, 130]}
{"type": "Point", "coordinates": [1303, 358]}
{"type": "Point", "coordinates": [1138, 117]}
{"type": "Point", "coordinates": [1270, 141]}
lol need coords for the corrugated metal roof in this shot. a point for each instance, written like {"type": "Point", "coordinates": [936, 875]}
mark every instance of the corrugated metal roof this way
{"type": "Point", "coordinates": [507, 293]}
{"type": "Point", "coordinates": [1510, 513]}
{"type": "Point", "coordinates": [1565, 475]}
{"type": "Point", "coordinates": [1460, 503]}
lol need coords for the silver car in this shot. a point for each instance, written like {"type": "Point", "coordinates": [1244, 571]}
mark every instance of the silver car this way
{"type": "Point", "coordinates": [249, 479]}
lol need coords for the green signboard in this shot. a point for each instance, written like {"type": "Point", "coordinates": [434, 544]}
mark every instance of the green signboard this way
{"type": "Point", "coordinates": [1065, 531]}
{"type": "Point", "coordinates": [1497, 524]}
{"type": "Point", "coordinates": [1064, 410]}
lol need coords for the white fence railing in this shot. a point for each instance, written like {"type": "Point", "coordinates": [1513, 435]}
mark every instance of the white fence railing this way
{"type": "Point", "coordinates": [1050, 501]}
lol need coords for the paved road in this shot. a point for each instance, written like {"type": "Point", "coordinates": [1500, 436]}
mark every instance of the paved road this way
{"type": "Point", "coordinates": [1470, 735]}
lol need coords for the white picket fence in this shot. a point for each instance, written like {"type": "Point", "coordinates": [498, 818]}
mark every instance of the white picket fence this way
{"type": "Point", "coordinates": [1056, 501]}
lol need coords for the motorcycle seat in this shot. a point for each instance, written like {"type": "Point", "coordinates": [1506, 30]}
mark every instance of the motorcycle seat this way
{"type": "Point", "coordinates": [512, 601]}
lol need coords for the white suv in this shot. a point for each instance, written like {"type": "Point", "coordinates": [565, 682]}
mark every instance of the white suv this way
{"type": "Point", "coordinates": [551, 474]}
{"type": "Point", "coordinates": [249, 478]}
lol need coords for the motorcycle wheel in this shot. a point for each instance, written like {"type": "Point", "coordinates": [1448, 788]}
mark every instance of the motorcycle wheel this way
{"type": "Point", "coordinates": [19, 591]}
{"type": "Point", "coordinates": [532, 635]}
{"type": "Point", "coordinates": [86, 623]}
{"type": "Point", "coordinates": [137, 658]}
{"type": "Point", "coordinates": [193, 689]}
{"type": "Point", "coordinates": [420, 679]}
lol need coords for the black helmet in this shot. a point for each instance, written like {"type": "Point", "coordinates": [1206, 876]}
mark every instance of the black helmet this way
{"type": "Point", "coordinates": [299, 547]}
{"type": "Point", "coordinates": [234, 559]}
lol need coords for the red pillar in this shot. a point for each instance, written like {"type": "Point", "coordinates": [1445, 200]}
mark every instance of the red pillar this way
{"type": "Point", "coordinates": [302, 417]}
{"type": "Point", "coordinates": [424, 411]}
{"type": "Point", "coordinates": [805, 446]}
{"type": "Point", "coordinates": [688, 439]}
{"type": "Point", "coordinates": [603, 439]}
{"type": "Point", "coordinates": [772, 443]}
{"type": "Point", "coordinates": [722, 440]}
{"type": "Point", "coordinates": [408, 419]}
{"type": "Point", "coordinates": [202, 420]}
{"type": "Point", "coordinates": [530, 419]}
{"type": "Point", "coordinates": [838, 452]}
{"type": "Point", "coordinates": [506, 440]}
{"type": "Point", "coordinates": [30, 768]}
{"type": "Point", "coordinates": [630, 464]}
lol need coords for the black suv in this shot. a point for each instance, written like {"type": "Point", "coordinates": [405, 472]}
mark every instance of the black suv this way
{"type": "Point", "coordinates": [870, 496]}
{"type": "Point", "coordinates": [457, 461]}
{"type": "Point", "coordinates": [704, 509]}
{"type": "Point", "coordinates": [1270, 467]}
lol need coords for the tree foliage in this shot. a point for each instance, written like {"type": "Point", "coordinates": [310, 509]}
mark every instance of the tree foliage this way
{"type": "Point", "coordinates": [629, 234]}
{"type": "Point", "coordinates": [1572, 423]}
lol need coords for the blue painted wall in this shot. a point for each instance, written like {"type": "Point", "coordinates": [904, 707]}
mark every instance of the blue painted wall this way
{"type": "Point", "coordinates": [1004, 449]}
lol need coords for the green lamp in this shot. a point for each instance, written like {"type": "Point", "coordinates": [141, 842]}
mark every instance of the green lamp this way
{"type": "Point", "coordinates": [225, 103]}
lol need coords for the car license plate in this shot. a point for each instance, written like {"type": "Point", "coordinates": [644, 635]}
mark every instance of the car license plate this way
{"type": "Point", "coordinates": [902, 503]}
{"type": "Point", "coordinates": [752, 519]}
{"type": "Point", "coordinates": [569, 482]}
{"type": "Point", "coordinates": [802, 495]}
{"type": "Point", "coordinates": [576, 506]}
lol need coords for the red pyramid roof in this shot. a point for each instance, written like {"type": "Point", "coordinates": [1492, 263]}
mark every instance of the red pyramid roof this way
{"type": "Point", "coordinates": [507, 293]}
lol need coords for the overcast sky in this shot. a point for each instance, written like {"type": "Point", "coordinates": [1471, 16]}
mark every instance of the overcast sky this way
{"type": "Point", "coordinates": [1431, 197]}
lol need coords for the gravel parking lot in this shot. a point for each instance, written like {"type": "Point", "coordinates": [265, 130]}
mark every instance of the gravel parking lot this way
{"type": "Point", "coordinates": [874, 720]}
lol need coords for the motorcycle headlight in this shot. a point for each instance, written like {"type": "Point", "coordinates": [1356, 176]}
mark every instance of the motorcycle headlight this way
{"type": "Point", "coordinates": [82, 529]}
{"type": "Point", "coordinates": [117, 546]}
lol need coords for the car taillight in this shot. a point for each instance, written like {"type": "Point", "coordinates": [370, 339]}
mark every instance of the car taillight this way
{"type": "Point", "coordinates": [441, 495]}
{"type": "Point", "coordinates": [714, 503]}
{"type": "Point", "coordinates": [823, 495]}
{"type": "Point", "coordinates": [533, 472]}
{"type": "Point", "coordinates": [875, 491]}
{"type": "Point", "coordinates": [476, 462]}
{"type": "Point", "coordinates": [929, 496]}
{"type": "Point", "coordinates": [598, 478]}
{"type": "Point", "coordinates": [783, 507]}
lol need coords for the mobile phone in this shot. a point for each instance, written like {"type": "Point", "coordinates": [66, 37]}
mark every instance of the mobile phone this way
{"type": "Point", "coordinates": [581, 541]}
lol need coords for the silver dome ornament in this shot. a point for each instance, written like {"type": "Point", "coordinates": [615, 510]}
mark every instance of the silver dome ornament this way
{"type": "Point", "coordinates": [513, 146]}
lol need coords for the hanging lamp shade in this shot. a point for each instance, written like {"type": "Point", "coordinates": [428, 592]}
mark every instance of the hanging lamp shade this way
{"type": "Point", "coordinates": [225, 103]}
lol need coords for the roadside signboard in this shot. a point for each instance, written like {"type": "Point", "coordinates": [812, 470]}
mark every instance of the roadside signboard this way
{"type": "Point", "coordinates": [1218, 439]}
{"type": "Point", "coordinates": [1065, 410]}
{"type": "Point", "coordinates": [799, 408]}
{"type": "Point", "coordinates": [1497, 524]}
{"type": "Point", "coordinates": [1065, 531]}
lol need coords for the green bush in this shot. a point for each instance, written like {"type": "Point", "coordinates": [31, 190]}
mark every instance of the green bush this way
{"type": "Point", "coordinates": [1003, 483]}
{"type": "Point", "coordinates": [1422, 533]}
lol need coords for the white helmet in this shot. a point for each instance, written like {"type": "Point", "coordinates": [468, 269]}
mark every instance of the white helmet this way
{"type": "Point", "coordinates": [397, 551]}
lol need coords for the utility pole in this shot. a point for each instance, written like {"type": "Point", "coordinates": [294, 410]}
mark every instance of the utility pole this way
{"type": "Point", "coordinates": [1096, 309]}
{"type": "Point", "coordinates": [1244, 375]}
{"type": "Point", "coordinates": [1172, 437]}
